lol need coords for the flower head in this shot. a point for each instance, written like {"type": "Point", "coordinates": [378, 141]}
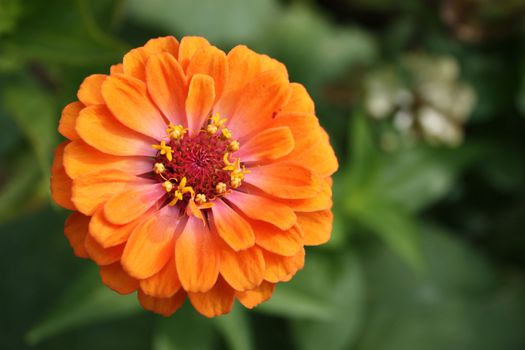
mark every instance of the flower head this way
{"type": "Point", "coordinates": [194, 174]}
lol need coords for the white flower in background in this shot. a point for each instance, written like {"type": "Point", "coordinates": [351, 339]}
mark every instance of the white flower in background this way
{"type": "Point", "coordinates": [424, 97]}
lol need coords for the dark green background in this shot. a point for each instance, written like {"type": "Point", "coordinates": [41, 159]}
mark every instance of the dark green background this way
{"type": "Point", "coordinates": [428, 247]}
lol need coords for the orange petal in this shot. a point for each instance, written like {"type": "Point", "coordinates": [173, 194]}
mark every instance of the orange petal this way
{"type": "Point", "coordinates": [300, 100]}
{"type": "Point", "coordinates": [210, 61]}
{"type": "Point", "coordinates": [94, 189]}
{"type": "Point", "coordinates": [167, 86]}
{"type": "Point", "coordinates": [197, 257]}
{"type": "Point", "coordinates": [129, 205]}
{"type": "Point", "coordinates": [312, 148]}
{"type": "Point", "coordinates": [108, 234]}
{"type": "Point", "coordinates": [116, 69]}
{"type": "Point", "coordinates": [269, 144]}
{"type": "Point", "coordinates": [76, 230]}
{"type": "Point", "coordinates": [60, 183]}
{"type": "Point", "coordinates": [66, 126]}
{"type": "Point", "coordinates": [127, 98]}
{"type": "Point", "coordinates": [134, 62]}
{"type": "Point", "coordinates": [102, 256]}
{"type": "Point", "coordinates": [316, 226]}
{"type": "Point", "coordinates": [271, 238]}
{"type": "Point", "coordinates": [282, 268]}
{"type": "Point", "coordinates": [256, 296]}
{"type": "Point", "coordinates": [188, 46]}
{"type": "Point", "coordinates": [242, 270]}
{"type": "Point", "coordinates": [81, 159]}
{"type": "Point", "coordinates": [163, 284]}
{"type": "Point", "coordinates": [163, 44]}
{"type": "Point", "coordinates": [259, 102]}
{"type": "Point", "coordinates": [232, 227]}
{"type": "Point", "coordinates": [201, 94]}
{"type": "Point", "coordinates": [284, 180]}
{"type": "Point", "coordinates": [217, 301]}
{"type": "Point", "coordinates": [244, 65]}
{"type": "Point", "coordinates": [321, 201]}
{"type": "Point", "coordinates": [150, 246]}
{"type": "Point", "coordinates": [164, 306]}
{"type": "Point", "coordinates": [98, 128]}
{"type": "Point", "coordinates": [90, 90]}
{"type": "Point", "coordinates": [117, 279]}
{"type": "Point", "coordinates": [264, 209]}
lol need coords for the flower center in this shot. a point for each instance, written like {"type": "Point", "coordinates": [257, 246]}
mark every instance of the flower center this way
{"type": "Point", "coordinates": [201, 167]}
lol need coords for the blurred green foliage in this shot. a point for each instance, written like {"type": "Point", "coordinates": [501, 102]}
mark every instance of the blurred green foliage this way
{"type": "Point", "coordinates": [428, 246]}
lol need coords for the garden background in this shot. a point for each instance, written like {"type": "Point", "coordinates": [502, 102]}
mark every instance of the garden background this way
{"type": "Point", "coordinates": [425, 105]}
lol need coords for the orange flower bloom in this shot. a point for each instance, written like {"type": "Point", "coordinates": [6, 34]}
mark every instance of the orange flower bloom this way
{"type": "Point", "coordinates": [193, 173]}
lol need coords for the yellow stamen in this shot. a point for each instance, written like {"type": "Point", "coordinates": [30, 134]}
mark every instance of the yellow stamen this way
{"type": "Point", "coordinates": [176, 132]}
{"type": "Point", "coordinates": [226, 133]}
{"type": "Point", "coordinates": [164, 150]}
{"type": "Point", "coordinates": [211, 129]}
{"type": "Point", "coordinates": [236, 182]}
{"type": "Point", "coordinates": [181, 190]}
{"type": "Point", "coordinates": [220, 188]}
{"type": "Point", "coordinates": [234, 146]}
{"type": "Point", "coordinates": [167, 185]}
{"type": "Point", "coordinates": [229, 165]}
{"type": "Point", "coordinates": [200, 198]}
{"type": "Point", "coordinates": [159, 168]}
{"type": "Point", "coordinates": [215, 123]}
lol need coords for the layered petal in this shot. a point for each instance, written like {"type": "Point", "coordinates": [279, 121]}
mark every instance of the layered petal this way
{"type": "Point", "coordinates": [197, 257]}
{"type": "Point", "coordinates": [282, 268]}
{"type": "Point", "coordinates": [108, 234]}
{"type": "Point", "coordinates": [134, 62]}
{"type": "Point", "coordinates": [163, 284]}
{"type": "Point", "coordinates": [164, 306]}
{"type": "Point", "coordinates": [66, 126]}
{"type": "Point", "coordinates": [210, 61]}
{"type": "Point", "coordinates": [232, 227]}
{"type": "Point", "coordinates": [260, 208]}
{"type": "Point", "coordinates": [127, 98]}
{"type": "Point", "coordinates": [60, 184]}
{"type": "Point", "coordinates": [271, 238]}
{"type": "Point", "coordinates": [299, 101]}
{"type": "Point", "coordinates": [94, 189]}
{"type": "Point", "coordinates": [81, 159]}
{"type": "Point", "coordinates": [242, 270]}
{"type": "Point", "coordinates": [216, 301]}
{"type": "Point", "coordinates": [117, 279]}
{"type": "Point", "coordinates": [102, 256]}
{"type": "Point", "coordinates": [284, 180]}
{"type": "Point", "coordinates": [201, 95]}
{"type": "Point", "coordinates": [259, 102]}
{"type": "Point", "coordinates": [150, 246]}
{"type": "Point", "coordinates": [270, 144]}
{"type": "Point", "coordinates": [256, 296]}
{"type": "Point", "coordinates": [90, 90]}
{"type": "Point", "coordinates": [76, 230]}
{"type": "Point", "coordinates": [316, 226]}
{"type": "Point", "coordinates": [99, 128]}
{"type": "Point", "coordinates": [188, 46]}
{"type": "Point", "coordinates": [167, 86]}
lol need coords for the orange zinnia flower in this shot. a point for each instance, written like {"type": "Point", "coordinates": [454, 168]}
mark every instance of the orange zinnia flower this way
{"type": "Point", "coordinates": [194, 173]}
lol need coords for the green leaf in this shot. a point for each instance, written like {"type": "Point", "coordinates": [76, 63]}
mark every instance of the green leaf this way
{"type": "Point", "coordinates": [340, 332]}
{"type": "Point", "coordinates": [233, 21]}
{"type": "Point", "coordinates": [460, 302]}
{"type": "Point", "coordinates": [185, 330]}
{"type": "Point", "coordinates": [22, 188]}
{"type": "Point", "coordinates": [85, 302]}
{"type": "Point", "coordinates": [235, 328]}
{"type": "Point", "coordinates": [309, 295]}
{"type": "Point", "coordinates": [35, 114]}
